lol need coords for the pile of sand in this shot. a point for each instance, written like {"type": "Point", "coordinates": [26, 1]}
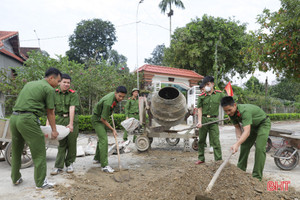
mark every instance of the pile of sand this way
{"type": "Point", "coordinates": [168, 175]}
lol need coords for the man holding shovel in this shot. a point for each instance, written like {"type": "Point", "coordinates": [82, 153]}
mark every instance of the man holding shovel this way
{"type": "Point", "coordinates": [103, 109]}
{"type": "Point", "coordinates": [208, 111]}
{"type": "Point", "coordinates": [256, 125]}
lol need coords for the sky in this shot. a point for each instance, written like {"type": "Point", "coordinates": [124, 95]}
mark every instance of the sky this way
{"type": "Point", "coordinates": [53, 21]}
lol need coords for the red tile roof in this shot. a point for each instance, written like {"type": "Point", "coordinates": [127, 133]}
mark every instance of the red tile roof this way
{"type": "Point", "coordinates": [13, 37]}
{"type": "Point", "coordinates": [11, 55]}
{"type": "Point", "coordinates": [6, 35]}
{"type": "Point", "coordinates": [171, 71]}
{"type": "Point", "coordinates": [24, 50]}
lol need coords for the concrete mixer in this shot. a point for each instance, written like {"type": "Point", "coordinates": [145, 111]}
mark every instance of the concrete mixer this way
{"type": "Point", "coordinates": [164, 109]}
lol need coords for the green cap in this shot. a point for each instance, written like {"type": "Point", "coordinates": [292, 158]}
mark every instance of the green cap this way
{"type": "Point", "coordinates": [134, 89]}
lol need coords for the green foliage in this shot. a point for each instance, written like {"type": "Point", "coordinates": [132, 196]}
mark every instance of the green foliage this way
{"type": "Point", "coordinates": [297, 107]}
{"type": "Point", "coordinates": [118, 61]}
{"type": "Point", "coordinates": [91, 81]}
{"type": "Point", "coordinates": [85, 123]}
{"type": "Point", "coordinates": [193, 46]}
{"type": "Point", "coordinates": [253, 85]}
{"type": "Point", "coordinates": [276, 44]}
{"type": "Point", "coordinates": [92, 39]}
{"type": "Point", "coordinates": [157, 56]}
{"type": "Point", "coordinates": [240, 96]}
{"type": "Point", "coordinates": [284, 116]}
{"type": "Point", "coordinates": [285, 89]}
{"type": "Point", "coordinates": [276, 117]}
{"type": "Point", "coordinates": [164, 4]}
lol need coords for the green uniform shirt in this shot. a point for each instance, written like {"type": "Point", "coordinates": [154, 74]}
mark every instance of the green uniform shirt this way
{"type": "Point", "coordinates": [248, 114]}
{"type": "Point", "coordinates": [132, 106]}
{"type": "Point", "coordinates": [105, 106]}
{"type": "Point", "coordinates": [210, 103]}
{"type": "Point", "coordinates": [36, 97]}
{"type": "Point", "coordinates": [63, 101]}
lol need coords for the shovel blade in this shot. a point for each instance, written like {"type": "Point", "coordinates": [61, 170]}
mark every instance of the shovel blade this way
{"type": "Point", "coordinates": [202, 197]}
{"type": "Point", "coordinates": [121, 176]}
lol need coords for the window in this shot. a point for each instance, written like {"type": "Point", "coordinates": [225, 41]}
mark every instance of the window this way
{"type": "Point", "coordinates": [171, 79]}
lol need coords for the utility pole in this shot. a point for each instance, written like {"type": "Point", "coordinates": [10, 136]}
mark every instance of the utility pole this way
{"type": "Point", "coordinates": [137, 46]}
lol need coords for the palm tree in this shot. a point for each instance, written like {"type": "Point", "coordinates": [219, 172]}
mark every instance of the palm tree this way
{"type": "Point", "coordinates": [164, 4]}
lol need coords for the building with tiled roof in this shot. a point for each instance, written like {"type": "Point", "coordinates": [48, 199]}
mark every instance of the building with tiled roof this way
{"type": "Point", "coordinates": [11, 55]}
{"type": "Point", "coordinates": [157, 76]}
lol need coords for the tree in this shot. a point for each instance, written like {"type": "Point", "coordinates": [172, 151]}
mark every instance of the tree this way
{"type": "Point", "coordinates": [92, 39]}
{"type": "Point", "coordinates": [91, 80]}
{"type": "Point", "coordinates": [157, 55]}
{"type": "Point", "coordinates": [118, 61]}
{"type": "Point", "coordinates": [286, 89]}
{"type": "Point", "coordinates": [253, 85]}
{"type": "Point", "coordinates": [276, 43]}
{"type": "Point", "coordinates": [164, 4]}
{"type": "Point", "coordinates": [193, 46]}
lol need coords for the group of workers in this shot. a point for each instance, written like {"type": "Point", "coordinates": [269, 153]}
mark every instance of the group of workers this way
{"type": "Point", "coordinates": [61, 104]}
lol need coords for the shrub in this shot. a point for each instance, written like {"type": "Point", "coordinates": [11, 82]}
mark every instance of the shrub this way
{"type": "Point", "coordinates": [277, 117]}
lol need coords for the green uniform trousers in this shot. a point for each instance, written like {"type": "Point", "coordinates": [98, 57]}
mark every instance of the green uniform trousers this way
{"type": "Point", "coordinates": [26, 128]}
{"type": "Point", "coordinates": [125, 136]}
{"type": "Point", "coordinates": [259, 135]}
{"type": "Point", "coordinates": [66, 154]}
{"type": "Point", "coordinates": [102, 144]}
{"type": "Point", "coordinates": [214, 140]}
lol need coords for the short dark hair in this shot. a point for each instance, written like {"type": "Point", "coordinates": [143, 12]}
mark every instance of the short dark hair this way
{"type": "Point", "coordinates": [65, 76]}
{"type": "Point", "coordinates": [121, 89]}
{"type": "Point", "coordinates": [227, 101]}
{"type": "Point", "coordinates": [52, 71]}
{"type": "Point", "coordinates": [201, 86]}
{"type": "Point", "coordinates": [208, 79]}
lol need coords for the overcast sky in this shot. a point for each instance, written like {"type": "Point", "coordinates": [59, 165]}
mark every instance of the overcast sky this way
{"type": "Point", "coordinates": [55, 20]}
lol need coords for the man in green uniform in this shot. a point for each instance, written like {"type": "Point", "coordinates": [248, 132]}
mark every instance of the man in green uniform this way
{"type": "Point", "coordinates": [102, 111]}
{"type": "Point", "coordinates": [34, 100]}
{"type": "Point", "coordinates": [132, 109]}
{"type": "Point", "coordinates": [208, 111]}
{"type": "Point", "coordinates": [256, 125]}
{"type": "Point", "coordinates": [66, 101]}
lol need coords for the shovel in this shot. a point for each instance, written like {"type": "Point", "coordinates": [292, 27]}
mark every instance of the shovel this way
{"type": "Point", "coordinates": [119, 176]}
{"type": "Point", "coordinates": [213, 180]}
{"type": "Point", "coordinates": [192, 127]}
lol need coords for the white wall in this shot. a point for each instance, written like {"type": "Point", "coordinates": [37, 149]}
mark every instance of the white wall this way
{"type": "Point", "coordinates": [160, 78]}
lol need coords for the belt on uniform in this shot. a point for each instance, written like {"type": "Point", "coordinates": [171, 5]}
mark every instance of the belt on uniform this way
{"type": "Point", "coordinates": [21, 112]}
{"type": "Point", "coordinates": [27, 112]}
{"type": "Point", "coordinates": [210, 116]}
{"type": "Point", "coordinates": [263, 120]}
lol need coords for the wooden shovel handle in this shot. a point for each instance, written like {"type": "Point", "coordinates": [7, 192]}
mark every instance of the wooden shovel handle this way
{"type": "Point", "coordinates": [216, 175]}
{"type": "Point", "coordinates": [118, 151]}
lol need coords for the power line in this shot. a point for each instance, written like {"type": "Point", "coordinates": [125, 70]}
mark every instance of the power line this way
{"type": "Point", "coordinates": [63, 36]}
{"type": "Point", "coordinates": [49, 38]}
{"type": "Point", "coordinates": [155, 25]}
{"type": "Point", "coordinates": [126, 24]}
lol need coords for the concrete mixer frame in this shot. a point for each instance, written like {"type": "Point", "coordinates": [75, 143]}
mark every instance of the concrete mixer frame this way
{"type": "Point", "coordinates": [149, 131]}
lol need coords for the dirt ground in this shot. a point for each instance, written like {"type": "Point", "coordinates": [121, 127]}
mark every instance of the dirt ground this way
{"type": "Point", "coordinates": [166, 172]}
{"type": "Point", "coordinates": [163, 172]}
{"type": "Point", "coordinates": [169, 175]}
